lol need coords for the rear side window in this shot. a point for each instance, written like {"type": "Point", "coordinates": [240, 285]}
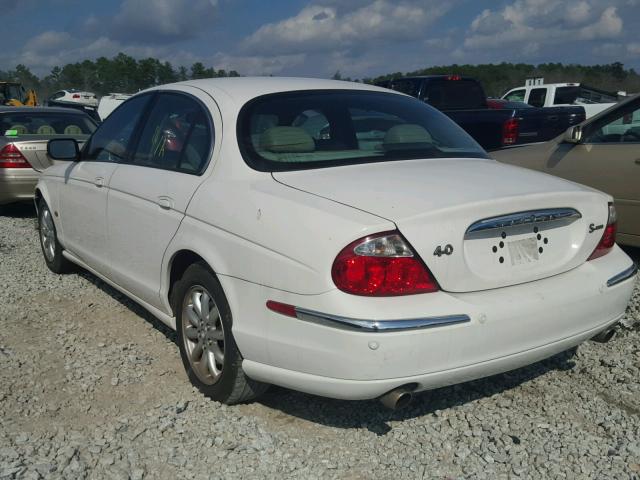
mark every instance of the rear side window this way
{"type": "Point", "coordinates": [537, 97]}
{"type": "Point", "coordinates": [327, 128]}
{"type": "Point", "coordinates": [176, 135]}
{"type": "Point", "coordinates": [110, 143]}
{"type": "Point", "coordinates": [47, 123]}
{"type": "Point", "coordinates": [566, 95]}
{"type": "Point", "coordinates": [455, 94]}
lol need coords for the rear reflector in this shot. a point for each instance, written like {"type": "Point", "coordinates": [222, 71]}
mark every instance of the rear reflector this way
{"type": "Point", "coordinates": [11, 157]}
{"type": "Point", "coordinates": [510, 131]}
{"type": "Point", "coordinates": [608, 239]}
{"type": "Point", "coordinates": [282, 308]}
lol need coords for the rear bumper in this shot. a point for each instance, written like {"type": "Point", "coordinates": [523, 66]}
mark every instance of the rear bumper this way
{"type": "Point", "coordinates": [17, 184]}
{"type": "Point", "coordinates": [507, 328]}
{"type": "Point", "coordinates": [368, 389]}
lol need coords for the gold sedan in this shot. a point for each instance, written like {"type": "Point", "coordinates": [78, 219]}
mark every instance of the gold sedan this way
{"type": "Point", "coordinates": [603, 152]}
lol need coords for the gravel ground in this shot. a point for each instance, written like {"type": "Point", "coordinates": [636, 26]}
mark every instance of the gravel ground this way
{"type": "Point", "coordinates": [91, 386]}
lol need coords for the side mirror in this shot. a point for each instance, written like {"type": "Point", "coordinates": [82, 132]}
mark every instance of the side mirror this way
{"type": "Point", "coordinates": [573, 134]}
{"type": "Point", "coordinates": [63, 149]}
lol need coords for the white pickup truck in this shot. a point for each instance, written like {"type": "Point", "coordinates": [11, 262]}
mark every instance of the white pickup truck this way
{"type": "Point", "coordinates": [562, 94]}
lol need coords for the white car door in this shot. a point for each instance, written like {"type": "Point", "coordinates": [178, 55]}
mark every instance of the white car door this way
{"type": "Point", "coordinates": [83, 194]}
{"type": "Point", "coordinates": [149, 194]}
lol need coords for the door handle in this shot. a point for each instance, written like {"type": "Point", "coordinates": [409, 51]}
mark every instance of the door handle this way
{"type": "Point", "coordinates": [165, 203]}
{"type": "Point", "coordinates": [99, 182]}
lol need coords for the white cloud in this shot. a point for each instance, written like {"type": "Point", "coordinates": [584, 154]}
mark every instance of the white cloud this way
{"type": "Point", "coordinates": [543, 22]}
{"type": "Point", "coordinates": [325, 27]}
{"type": "Point", "coordinates": [162, 20]}
{"type": "Point", "coordinates": [49, 41]}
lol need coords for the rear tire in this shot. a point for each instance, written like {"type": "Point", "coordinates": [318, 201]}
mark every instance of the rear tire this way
{"type": "Point", "coordinates": [51, 248]}
{"type": "Point", "coordinates": [209, 352]}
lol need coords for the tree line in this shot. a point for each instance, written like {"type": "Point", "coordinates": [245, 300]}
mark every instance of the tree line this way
{"type": "Point", "coordinates": [126, 74]}
{"type": "Point", "coordinates": [122, 74]}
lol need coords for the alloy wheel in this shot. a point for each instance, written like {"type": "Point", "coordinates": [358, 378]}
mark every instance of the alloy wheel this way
{"type": "Point", "coordinates": [203, 334]}
{"type": "Point", "coordinates": [47, 235]}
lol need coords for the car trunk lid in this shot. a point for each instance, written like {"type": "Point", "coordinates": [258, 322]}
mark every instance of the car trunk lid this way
{"type": "Point", "coordinates": [35, 150]}
{"type": "Point", "coordinates": [476, 224]}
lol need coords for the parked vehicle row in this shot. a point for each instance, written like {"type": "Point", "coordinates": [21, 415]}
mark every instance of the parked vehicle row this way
{"type": "Point", "coordinates": [464, 101]}
{"type": "Point", "coordinates": [331, 237]}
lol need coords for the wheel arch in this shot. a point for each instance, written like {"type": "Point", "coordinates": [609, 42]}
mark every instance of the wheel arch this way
{"type": "Point", "coordinates": [179, 262]}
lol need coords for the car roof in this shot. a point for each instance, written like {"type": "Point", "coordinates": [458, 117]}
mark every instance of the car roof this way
{"type": "Point", "coordinates": [23, 110]}
{"type": "Point", "coordinates": [243, 89]}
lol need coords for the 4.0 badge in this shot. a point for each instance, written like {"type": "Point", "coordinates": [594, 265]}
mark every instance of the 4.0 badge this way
{"type": "Point", "coordinates": [446, 250]}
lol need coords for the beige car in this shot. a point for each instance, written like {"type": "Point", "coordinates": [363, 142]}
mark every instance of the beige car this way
{"type": "Point", "coordinates": [602, 152]}
{"type": "Point", "coordinates": [24, 133]}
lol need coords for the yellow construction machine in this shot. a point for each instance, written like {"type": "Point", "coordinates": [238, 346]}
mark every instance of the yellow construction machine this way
{"type": "Point", "coordinates": [15, 95]}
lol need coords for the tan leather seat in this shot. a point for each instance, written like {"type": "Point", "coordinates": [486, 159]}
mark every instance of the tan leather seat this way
{"type": "Point", "coordinates": [406, 134]}
{"type": "Point", "coordinates": [286, 140]}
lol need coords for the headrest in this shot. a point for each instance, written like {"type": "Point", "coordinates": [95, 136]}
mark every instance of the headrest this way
{"type": "Point", "coordinates": [407, 133]}
{"type": "Point", "coordinates": [46, 130]}
{"type": "Point", "coordinates": [21, 129]}
{"type": "Point", "coordinates": [72, 130]}
{"type": "Point", "coordinates": [286, 140]}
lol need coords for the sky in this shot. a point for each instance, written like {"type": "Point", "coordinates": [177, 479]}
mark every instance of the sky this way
{"type": "Point", "coordinates": [359, 38]}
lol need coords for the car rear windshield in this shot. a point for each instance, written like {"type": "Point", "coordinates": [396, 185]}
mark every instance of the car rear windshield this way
{"type": "Point", "coordinates": [325, 128]}
{"type": "Point", "coordinates": [46, 123]}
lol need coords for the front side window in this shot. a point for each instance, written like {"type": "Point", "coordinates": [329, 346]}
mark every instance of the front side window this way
{"type": "Point", "coordinates": [176, 135]}
{"type": "Point", "coordinates": [325, 128]}
{"type": "Point", "coordinates": [110, 143]}
{"type": "Point", "coordinates": [516, 96]}
{"type": "Point", "coordinates": [47, 123]}
{"type": "Point", "coordinates": [622, 126]}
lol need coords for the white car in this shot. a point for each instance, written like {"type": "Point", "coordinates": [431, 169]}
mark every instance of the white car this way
{"type": "Point", "coordinates": [108, 103]}
{"type": "Point", "coordinates": [340, 262]}
{"type": "Point", "coordinates": [74, 96]}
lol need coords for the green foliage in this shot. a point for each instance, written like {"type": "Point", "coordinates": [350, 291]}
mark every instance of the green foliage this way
{"type": "Point", "coordinates": [122, 74]}
{"type": "Point", "coordinates": [125, 74]}
{"type": "Point", "coordinates": [498, 78]}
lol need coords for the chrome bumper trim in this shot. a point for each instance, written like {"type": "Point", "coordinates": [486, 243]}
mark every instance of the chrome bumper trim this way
{"type": "Point", "coordinates": [378, 326]}
{"type": "Point", "coordinates": [622, 276]}
{"type": "Point", "coordinates": [531, 217]}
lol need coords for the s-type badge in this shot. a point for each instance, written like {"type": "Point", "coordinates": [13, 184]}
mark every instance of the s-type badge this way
{"type": "Point", "coordinates": [593, 228]}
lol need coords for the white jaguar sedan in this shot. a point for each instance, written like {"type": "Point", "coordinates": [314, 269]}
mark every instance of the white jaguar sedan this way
{"type": "Point", "coordinates": [330, 237]}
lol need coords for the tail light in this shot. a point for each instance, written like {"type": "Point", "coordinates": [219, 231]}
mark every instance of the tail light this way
{"type": "Point", "coordinates": [454, 77]}
{"type": "Point", "coordinates": [11, 157]}
{"type": "Point", "coordinates": [76, 95]}
{"type": "Point", "coordinates": [510, 130]}
{"type": "Point", "coordinates": [381, 265]}
{"type": "Point", "coordinates": [608, 239]}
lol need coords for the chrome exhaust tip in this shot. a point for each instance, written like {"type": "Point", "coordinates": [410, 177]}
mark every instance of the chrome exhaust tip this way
{"type": "Point", "coordinates": [605, 335]}
{"type": "Point", "coordinates": [397, 398]}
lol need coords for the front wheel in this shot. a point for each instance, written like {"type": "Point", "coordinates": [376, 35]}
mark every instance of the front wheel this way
{"type": "Point", "coordinates": [51, 248]}
{"type": "Point", "coordinates": [207, 347]}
